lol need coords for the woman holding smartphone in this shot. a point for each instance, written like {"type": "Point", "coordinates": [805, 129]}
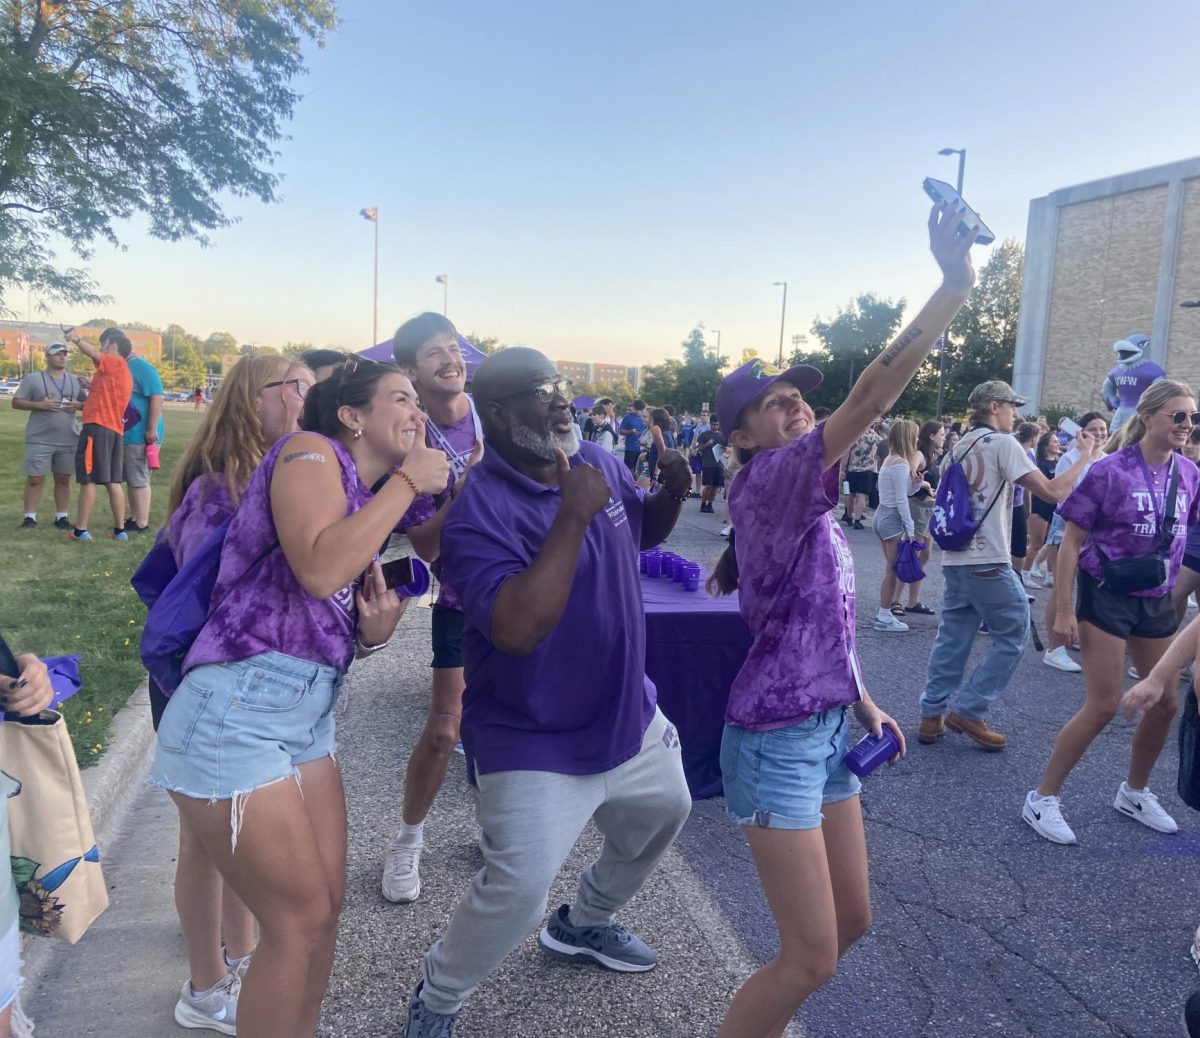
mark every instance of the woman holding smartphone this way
{"type": "Point", "coordinates": [1126, 525]}
{"type": "Point", "coordinates": [246, 744]}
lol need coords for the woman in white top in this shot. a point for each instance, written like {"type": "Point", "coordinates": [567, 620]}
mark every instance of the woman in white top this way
{"type": "Point", "coordinates": [893, 518]}
{"type": "Point", "coordinates": [602, 431]}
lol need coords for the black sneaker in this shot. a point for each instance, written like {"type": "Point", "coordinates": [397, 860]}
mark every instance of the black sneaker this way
{"type": "Point", "coordinates": [62, 522]}
{"type": "Point", "coordinates": [28, 523]}
{"type": "Point", "coordinates": [423, 1022]}
{"type": "Point", "coordinates": [1191, 1015]}
{"type": "Point", "coordinates": [132, 527]}
{"type": "Point", "coordinates": [858, 524]}
{"type": "Point", "coordinates": [612, 946]}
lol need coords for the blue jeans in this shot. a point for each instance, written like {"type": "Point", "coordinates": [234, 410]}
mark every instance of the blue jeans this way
{"type": "Point", "coordinates": [991, 593]}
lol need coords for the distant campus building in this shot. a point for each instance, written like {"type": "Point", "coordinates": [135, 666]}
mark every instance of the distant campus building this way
{"type": "Point", "coordinates": [599, 374]}
{"type": "Point", "coordinates": [25, 341]}
{"type": "Point", "coordinates": [1103, 260]}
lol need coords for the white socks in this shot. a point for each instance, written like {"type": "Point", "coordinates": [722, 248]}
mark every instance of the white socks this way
{"type": "Point", "coordinates": [412, 833]}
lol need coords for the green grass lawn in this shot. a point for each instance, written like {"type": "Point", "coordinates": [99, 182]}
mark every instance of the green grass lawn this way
{"type": "Point", "coordinates": [59, 598]}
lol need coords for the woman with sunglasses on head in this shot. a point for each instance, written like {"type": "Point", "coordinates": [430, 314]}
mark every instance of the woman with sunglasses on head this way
{"type": "Point", "coordinates": [246, 744]}
{"type": "Point", "coordinates": [1126, 528]}
{"type": "Point", "coordinates": [259, 402]}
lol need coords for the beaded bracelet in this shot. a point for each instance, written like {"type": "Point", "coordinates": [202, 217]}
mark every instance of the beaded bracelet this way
{"type": "Point", "coordinates": [407, 479]}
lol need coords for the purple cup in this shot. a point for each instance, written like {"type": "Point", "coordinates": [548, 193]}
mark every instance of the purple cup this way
{"type": "Point", "coordinates": [870, 751]}
{"type": "Point", "coordinates": [681, 570]}
{"type": "Point", "coordinates": [654, 564]}
{"type": "Point", "coordinates": [668, 564]}
{"type": "Point", "coordinates": [642, 556]}
{"type": "Point", "coordinates": [419, 584]}
{"type": "Point", "coordinates": [691, 577]}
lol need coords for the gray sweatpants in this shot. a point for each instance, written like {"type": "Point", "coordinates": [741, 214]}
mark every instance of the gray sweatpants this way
{"type": "Point", "coordinates": [528, 822]}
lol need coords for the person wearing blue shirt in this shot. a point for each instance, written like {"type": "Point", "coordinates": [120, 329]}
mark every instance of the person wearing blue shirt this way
{"type": "Point", "coordinates": [632, 427]}
{"type": "Point", "coordinates": [147, 400]}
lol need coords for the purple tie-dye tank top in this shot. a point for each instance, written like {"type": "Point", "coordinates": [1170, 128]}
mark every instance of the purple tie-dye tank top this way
{"type": "Point", "coordinates": [258, 605]}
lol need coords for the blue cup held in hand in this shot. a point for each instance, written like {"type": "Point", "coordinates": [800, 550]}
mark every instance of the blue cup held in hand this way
{"type": "Point", "coordinates": [870, 751]}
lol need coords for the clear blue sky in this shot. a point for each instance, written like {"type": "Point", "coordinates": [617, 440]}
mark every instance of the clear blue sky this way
{"type": "Point", "coordinates": [596, 179]}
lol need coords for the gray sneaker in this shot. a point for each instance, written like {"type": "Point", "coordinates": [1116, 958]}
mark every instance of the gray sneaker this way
{"type": "Point", "coordinates": [211, 1010]}
{"type": "Point", "coordinates": [612, 946]}
{"type": "Point", "coordinates": [423, 1022]}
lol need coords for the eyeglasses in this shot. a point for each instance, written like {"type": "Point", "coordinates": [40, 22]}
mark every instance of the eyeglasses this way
{"type": "Point", "coordinates": [302, 387]}
{"type": "Point", "coordinates": [545, 392]}
{"type": "Point", "coordinates": [1183, 417]}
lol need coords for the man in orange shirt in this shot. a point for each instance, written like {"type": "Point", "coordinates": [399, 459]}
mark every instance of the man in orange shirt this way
{"type": "Point", "coordinates": [99, 457]}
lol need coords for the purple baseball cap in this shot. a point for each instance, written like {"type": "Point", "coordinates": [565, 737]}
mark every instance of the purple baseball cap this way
{"type": "Point", "coordinates": [746, 384]}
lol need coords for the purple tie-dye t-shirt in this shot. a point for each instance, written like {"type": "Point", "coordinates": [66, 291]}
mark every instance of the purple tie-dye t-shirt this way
{"type": "Point", "coordinates": [795, 586]}
{"type": "Point", "coordinates": [204, 507]}
{"type": "Point", "coordinates": [1113, 503]}
{"type": "Point", "coordinates": [258, 604]}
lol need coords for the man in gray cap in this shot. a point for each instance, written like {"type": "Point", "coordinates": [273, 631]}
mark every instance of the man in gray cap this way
{"type": "Point", "coordinates": [979, 583]}
{"type": "Point", "coordinates": [52, 397]}
{"type": "Point", "coordinates": [560, 724]}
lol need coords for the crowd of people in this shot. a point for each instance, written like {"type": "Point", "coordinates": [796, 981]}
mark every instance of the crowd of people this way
{"type": "Point", "coordinates": [522, 509]}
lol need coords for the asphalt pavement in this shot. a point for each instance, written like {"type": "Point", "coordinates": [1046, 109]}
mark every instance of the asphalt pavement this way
{"type": "Point", "coordinates": [980, 928]}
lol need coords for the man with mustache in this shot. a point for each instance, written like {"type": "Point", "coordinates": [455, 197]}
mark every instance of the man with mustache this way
{"type": "Point", "coordinates": [560, 724]}
{"type": "Point", "coordinates": [427, 349]}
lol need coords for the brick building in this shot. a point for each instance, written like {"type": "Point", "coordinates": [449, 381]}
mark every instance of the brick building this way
{"type": "Point", "coordinates": [598, 374]}
{"type": "Point", "coordinates": [16, 336]}
{"type": "Point", "coordinates": [1103, 260]}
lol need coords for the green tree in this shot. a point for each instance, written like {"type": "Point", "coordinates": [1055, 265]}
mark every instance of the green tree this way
{"type": "Point", "coordinates": [218, 344]}
{"type": "Point", "coordinates": [983, 337]}
{"type": "Point", "coordinates": [114, 108]}
{"type": "Point", "coordinates": [484, 345]}
{"type": "Point", "coordinates": [660, 383]}
{"type": "Point", "coordinates": [697, 378]}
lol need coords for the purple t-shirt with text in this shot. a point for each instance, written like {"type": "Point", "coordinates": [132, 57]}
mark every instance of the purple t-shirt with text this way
{"type": "Point", "coordinates": [456, 441]}
{"type": "Point", "coordinates": [580, 703]}
{"type": "Point", "coordinates": [1113, 503]}
{"type": "Point", "coordinates": [795, 586]}
{"type": "Point", "coordinates": [258, 604]}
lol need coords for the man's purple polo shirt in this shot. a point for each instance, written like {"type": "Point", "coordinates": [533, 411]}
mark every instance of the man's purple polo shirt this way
{"type": "Point", "coordinates": [580, 703]}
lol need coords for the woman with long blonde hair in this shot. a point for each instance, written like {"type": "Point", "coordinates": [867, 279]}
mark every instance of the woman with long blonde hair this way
{"type": "Point", "coordinates": [1127, 523]}
{"type": "Point", "coordinates": [259, 402]}
{"type": "Point", "coordinates": [893, 518]}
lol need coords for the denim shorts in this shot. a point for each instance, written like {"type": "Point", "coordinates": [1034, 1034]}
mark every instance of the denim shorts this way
{"type": "Point", "coordinates": [231, 728]}
{"type": "Point", "coordinates": [779, 779]}
{"type": "Point", "coordinates": [10, 964]}
{"type": "Point", "coordinates": [1058, 530]}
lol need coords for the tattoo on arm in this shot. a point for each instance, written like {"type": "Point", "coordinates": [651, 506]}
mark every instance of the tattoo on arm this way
{"type": "Point", "coordinates": [899, 346]}
{"type": "Point", "coordinates": [303, 456]}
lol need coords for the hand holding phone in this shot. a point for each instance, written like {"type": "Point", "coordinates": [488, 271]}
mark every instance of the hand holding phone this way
{"type": "Point", "coordinates": [945, 194]}
{"type": "Point", "coordinates": [1069, 426]}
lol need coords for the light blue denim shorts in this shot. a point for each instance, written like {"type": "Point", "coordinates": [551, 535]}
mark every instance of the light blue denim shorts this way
{"type": "Point", "coordinates": [10, 964]}
{"type": "Point", "coordinates": [779, 779]}
{"type": "Point", "coordinates": [1057, 531]}
{"type": "Point", "coordinates": [231, 728]}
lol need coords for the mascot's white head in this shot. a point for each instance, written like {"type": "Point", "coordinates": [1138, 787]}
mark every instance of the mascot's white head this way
{"type": "Point", "coordinates": [1130, 349]}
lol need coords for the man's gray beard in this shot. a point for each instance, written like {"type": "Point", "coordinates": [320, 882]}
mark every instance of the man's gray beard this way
{"type": "Point", "coordinates": [545, 445]}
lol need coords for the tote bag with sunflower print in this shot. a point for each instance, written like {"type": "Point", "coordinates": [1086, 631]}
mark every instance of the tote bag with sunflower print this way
{"type": "Point", "coordinates": [55, 861]}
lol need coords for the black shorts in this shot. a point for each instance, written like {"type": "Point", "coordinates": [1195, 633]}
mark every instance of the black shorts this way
{"type": "Point", "coordinates": [447, 638]}
{"type": "Point", "coordinates": [1042, 509]}
{"type": "Point", "coordinates": [1192, 562]}
{"type": "Point", "coordinates": [631, 460]}
{"type": "Point", "coordinates": [862, 482]}
{"type": "Point", "coordinates": [712, 477]}
{"type": "Point", "coordinates": [1019, 541]}
{"type": "Point", "coordinates": [99, 456]}
{"type": "Point", "coordinates": [1123, 616]}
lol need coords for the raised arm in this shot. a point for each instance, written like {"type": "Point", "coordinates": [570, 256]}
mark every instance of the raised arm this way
{"type": "Point", "coordinates": [885, 378]}
{"type": "Point", "coordinates": [84, 347]}
{"type": "Point", "coordinates": [1059, 488]}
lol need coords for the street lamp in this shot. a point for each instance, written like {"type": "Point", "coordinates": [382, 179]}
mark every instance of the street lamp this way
{"type": "Point", "coordinates": [941, 397]}
{"type": "Point", "coordinates": [444, 281]}
{"type": "Point", "coordinates": [717, 333]}
{"type": "Point", "coordinates": [371, 214]}
{"type": "Point", "coordinates": [782, 318]}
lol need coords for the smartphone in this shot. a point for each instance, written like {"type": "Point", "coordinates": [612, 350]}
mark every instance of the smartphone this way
{"type": "Point", "coordinates": [945, 194]}
{"type": "Point", "coordinates": [398, 572]}
{"type": "Point", "coordinates": [1070, 427]}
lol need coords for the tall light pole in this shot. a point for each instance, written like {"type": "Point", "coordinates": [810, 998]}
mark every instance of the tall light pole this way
{"type": "Point", "coordinates": [942, 343]}
{"type": "Point", "coordinates": [782, 319]}
{"type": "Point", "coordinates": [444, 281]}
{"type": "Point", "coordinates": [717, 333]}
{"type": "Point", "coordinates": [372, 214]}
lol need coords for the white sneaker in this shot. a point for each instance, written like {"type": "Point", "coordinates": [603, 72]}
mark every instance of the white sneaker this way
{"type": "Point", "coordinates": [1027, 579]}
{"type": "Point", "coordinates": [1144, 806]}
{"type": "Point", "coordinates": [212, 1010]}
{"type": "Point", "coordinates": [1060, 659]}
{"type": "Point", "coordinates": [1044, 815]}
{"type": "Point", "coordinates": [725, 530]}
{"type": "Point", "coordinates": [401, 871]}
{"type": "Point", "coordinates": [1047, 579]}
{"type": "Point", "coordinates": [1132, 672]}
{"type": "Point", "coordinates": [889, 624]}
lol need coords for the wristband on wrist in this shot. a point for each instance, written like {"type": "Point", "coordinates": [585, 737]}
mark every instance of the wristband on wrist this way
{"type": "Point", "coordinates": [368, 649]}
{"type": "Point", "coordinates": [407, 479]}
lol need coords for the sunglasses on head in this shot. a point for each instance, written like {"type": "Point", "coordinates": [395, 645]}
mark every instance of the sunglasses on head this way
{"type": "Point", "coordinates": [302, 387]}
{"type": "Point", "coordinates": [1184, 417]}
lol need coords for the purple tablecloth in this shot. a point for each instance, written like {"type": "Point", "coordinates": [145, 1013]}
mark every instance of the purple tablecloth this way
{"type": "Point", "coordinates": [695, 646]}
